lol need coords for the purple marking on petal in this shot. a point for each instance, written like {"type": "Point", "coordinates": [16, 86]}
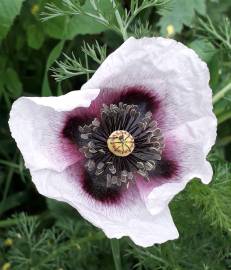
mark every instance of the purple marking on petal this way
{"type": "Point", "coordinates": [165, 172]}
{"type": "Point", "coordinates": [96, 188]}
{"type": "Point", "coordinates": [69, 135]}
{"type": "Point", "coordinates": [169, 166]}
{"type": "Point", "coordinates": [76, 118]}
{"type": "Point", "coordinates": [166, 169]}
{"type": "Point", "coordinates": [137, 95]}
{"type": "Point", "coordinates": [144, 98]}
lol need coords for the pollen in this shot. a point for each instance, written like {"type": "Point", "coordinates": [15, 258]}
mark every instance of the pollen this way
{"type": "Point", "coordinates": [6, 266]}
{"type": "Point", "coordinates": [121, 143]}
{"type": "Point", "coordinates": [170, 30]}
{"type": "Point", "coordinates": [8, 242]}
{"type": "Point", "coordinates": [35, 9]}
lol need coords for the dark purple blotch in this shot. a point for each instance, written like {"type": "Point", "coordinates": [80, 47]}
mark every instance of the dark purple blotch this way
{"type": "Point", "coordinates": [96, 187]}
{"type": "Point", "coordinates": [165, 169]}
{"type": "Point", "coordinates": [146, 100]}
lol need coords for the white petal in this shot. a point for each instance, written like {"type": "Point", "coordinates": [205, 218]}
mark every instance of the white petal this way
{"type": "Point", "coordinates": [36, 124]}
{"type": "Point", "coordinates": [68, 102]}
{"type": "Point", "coordinates": [175, 73]}
{"type": "Point", "coordinates": [194, 145]}
{"type": "Point", "coordinates": [180, 80]}
{"type": "Point", "coordinates": [129, 218]}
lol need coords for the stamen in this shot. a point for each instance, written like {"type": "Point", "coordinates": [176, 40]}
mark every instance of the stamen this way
{"type": "Point", "coordinates": [122, 143]}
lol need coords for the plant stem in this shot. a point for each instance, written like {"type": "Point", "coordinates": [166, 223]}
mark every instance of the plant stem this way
{"type": "Point", "coordinates": [115, 246]}
{"type": "Point", "coordinates": [221, 93]}
{"type": "Point", "coordinates": [12, 221]}
{"type": "Point", "coordinates": [120, 21]}
{"type": "Point", "coordinates": [8, 223]}
{"type": "Point", "coordinates": [224, 117]}
{"type": "Point", "coordinates": [224, 141]}
{"type": "Point", "coordinates": [10, 164]}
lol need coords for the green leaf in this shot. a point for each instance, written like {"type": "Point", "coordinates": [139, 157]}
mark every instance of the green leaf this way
{"type": "Point", "coordinates": [54, 54]}
{"type": "Point", "coordinates": [181, 13]}
{"type": "Point", "coordinates": [214, 67]}
{"type": "Point", "coordinates": [56, 28]}
{"type": "Point", "coordinates": [214, 198]}
{"type": "Point", "coordinates": [12, 83]}
{"type": "Point", "coordinates": [9, 9]}
{"type": "Point", "coordinates": [199, 6]}
{"type": "Point", "coordinates": [203, 48]}
{"type": "Point", "coordinates": [3, 61]}
{"type": "Point", "coordinates": [80, 24]}
{"type": "Point", "coordinates": [35, 36]}
{"type": "Point", "coordinates": [61, 210]}
{"type": "Point", "coordinates": [14, 201]}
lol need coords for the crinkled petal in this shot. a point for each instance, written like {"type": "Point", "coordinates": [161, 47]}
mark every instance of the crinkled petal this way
{"type": "Point", "coordinates": [171, 70]}
{"type": "Point", "coordinates": [36, 125]}
{"type": "Point", "coordinates": [129, 217]}
{"type": "Point", "coordinates": [191, 145]}
{"type": "Point", "coordinates": [179, 80]}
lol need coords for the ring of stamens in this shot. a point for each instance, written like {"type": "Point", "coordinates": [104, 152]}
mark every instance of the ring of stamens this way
{"type": "Point", "coordinates": [140, 144]}
{"type": "Point", "coordinates": [121, 143]}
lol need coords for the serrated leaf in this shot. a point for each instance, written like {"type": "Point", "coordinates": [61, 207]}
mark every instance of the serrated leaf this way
{"type": "Point", "coordinates": [181, 13]}
{"type": "Point", "coordinates": [9, 9]}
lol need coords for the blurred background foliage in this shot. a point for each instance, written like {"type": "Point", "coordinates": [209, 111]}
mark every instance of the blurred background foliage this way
{"type": "Point", "coordinates": [52, 47]}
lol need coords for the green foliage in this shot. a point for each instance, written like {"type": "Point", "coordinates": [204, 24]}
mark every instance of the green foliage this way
{"type": "Point", "coordinates": [181, 13]}
{"type": "Point", "coordinates": [53, 55]}
{"type": "Point", "coordinates": [221, 35]}
{"type": "Point", "coordinates": [71, 66]}
{"type": "Point", "coordinates": [106, 13]}
{"type": "Point", "coordinates": [11, 83]}
{"type": "Point", "coordinates": [59, 54]}
{"type": "Point", "coordinates": [8, 11]}
{"type": "Point", "coordinates": [68, 27]}
{"type": "Point", "coordinates": [37, 248]}
{"type": "Point", "coordinates": [35, 36]}
{"type": "Point", "coordinates": [204, 49]}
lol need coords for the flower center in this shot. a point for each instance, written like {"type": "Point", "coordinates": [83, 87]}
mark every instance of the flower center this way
{"type": "Point", "coordinates": [121, 143]}
{"type": "Point", "coordinates": [124, 141]}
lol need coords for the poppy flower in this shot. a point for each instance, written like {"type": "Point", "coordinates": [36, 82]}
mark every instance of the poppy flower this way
{"type": "Point", "coordinates": [123, 146]}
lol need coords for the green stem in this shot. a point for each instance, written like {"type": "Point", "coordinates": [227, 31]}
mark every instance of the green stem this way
{"type": "Point", "coordinates": [8, 223]}
{"type": "Point", "coordinates": [12, 221]}
{"type": "Point", "coordinates": [221, 93]}
{"type": "Point", "coordinates": [115, 246]}
{"type": "Point", "coordinates": [7, 185]}
{"type": "Point", "coordinates": [10, 164]}
{"type": "Point", "coordinates": [224, 141]}
{"type": "Point", "coordinates": [87, 67]}
{"type": "Point", "coordinates": [120, 21]}
{"type": "Point", "coordinates": [224, 117]}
